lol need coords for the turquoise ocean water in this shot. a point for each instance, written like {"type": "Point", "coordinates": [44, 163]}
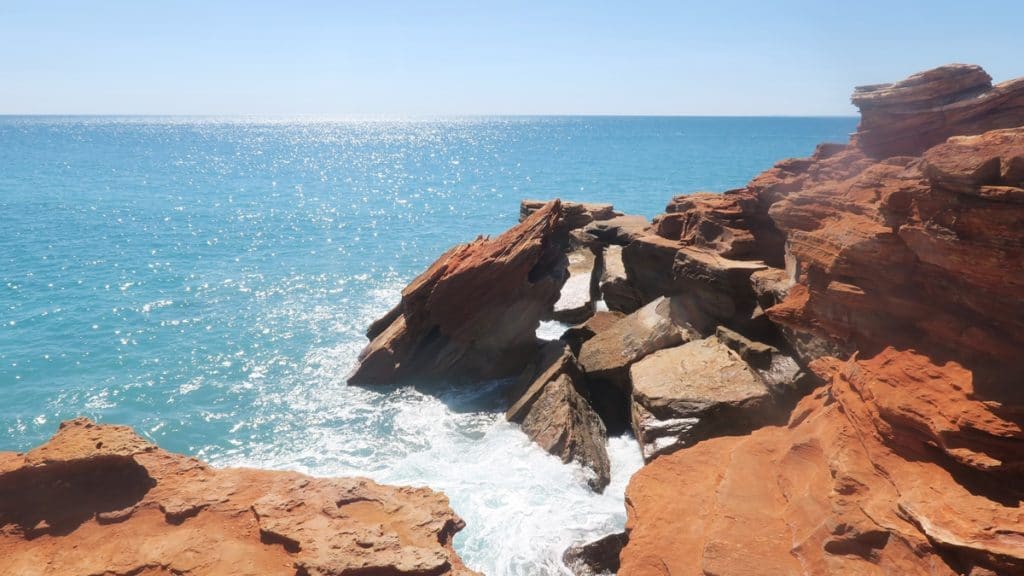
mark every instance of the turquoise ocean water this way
{"type": "Point", "coordinates": [208, 281]}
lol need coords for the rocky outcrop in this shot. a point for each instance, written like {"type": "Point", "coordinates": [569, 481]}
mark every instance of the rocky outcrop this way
{"type": "Point", "coordinates": [596, 558]}
{"type": "Point", "coordinates": [692, 392]}
{"type": "Point", "coordinates": [101, 500]}
{"type": "Point", "coordinates": [617, 231]}
{"type": "Point", "coordinates": [895, 270]}
{"type": "Point", "coordinates": [894, 468]}
{"type": "Point", "coordinates": [908, 117]}
{"type": "Point", "coordinates": [549, 403]}
{"type": "Point", "coordinates": [474, 313]}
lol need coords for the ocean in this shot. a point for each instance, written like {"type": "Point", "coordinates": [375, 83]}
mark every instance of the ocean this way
{"type": "Point", "coordinates": [208, 281]}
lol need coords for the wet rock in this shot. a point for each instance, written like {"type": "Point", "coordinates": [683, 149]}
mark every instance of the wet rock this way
{"type": "Point", "coordinates": [474, 313]}
{"type": "Point", "coordinates": [92, 500]}
{"type": "Point", "coordinates": [596, 558]}
{"type": "Point", "coordinates": [550, 405]}
{"type": "Point", "coordinates": [692, 392]}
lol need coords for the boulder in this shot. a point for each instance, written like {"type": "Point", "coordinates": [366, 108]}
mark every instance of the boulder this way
{"type": "Point", "coordinates": [547, 402]}
{"type": "Point", "coordinates": [580, 292]}
{"type": "Point", "coordinates": [620, 230]}
{"type": "Point", "coordinates": [617, 292]}
{"type": "Point", "coordinates": [714, 289]}
{"type": "Point", "coordinates": [474, 313]}
{"type": "Point", "coordinates": [606, 358]}
{"type": "Point", "coordinates": [692, 392]}
{"type": "Point", "coordinates": [778, 370]}
{"type": "Point", "coordinates": [648, 261]}
{"type": "Point", "coordinates": [575, 336]}
{"type": "Point", "coordinates": [596, 558]}
{"type": "Point", "coordinates": [98, 499]}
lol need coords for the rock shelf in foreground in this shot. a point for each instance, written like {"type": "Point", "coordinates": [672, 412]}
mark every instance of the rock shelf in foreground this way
{"type": "Point", "coordinates": [98, 499]}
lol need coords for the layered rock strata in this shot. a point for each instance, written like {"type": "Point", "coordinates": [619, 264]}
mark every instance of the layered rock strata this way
{"type": "Point", "coordinates": [893, 267]}
{"type": "Point", "coordinates": [101, 500]}
{"type": "Point", "coordinates": [474, 313]}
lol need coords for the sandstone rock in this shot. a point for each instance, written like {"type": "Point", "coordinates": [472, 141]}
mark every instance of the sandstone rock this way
{"type": "Point", "coordinates": [474, 313]}
{"type": "Point", "coordinates": [575, 216]}
{"type": "Point", "coordinates": [779, 371]}
{"type": "Point", "coordinates": [733, 224]}
{"type": "Point", "coordinates": [715, 289]}
{"type": "Point", "coordinates": [605, 358]}
{"type": "Point", "coordinates": [884, 254]}
{"type": "Point", "coordinates": [648, 261]}
{"type": "Point", "coordinates": [620, 230]}
{"type": "Point", "coordinates": [596, 558]}
{"type": "Point", "coordinates": [853, 485]}
{"type": "Point", "coordinates": [548, 404]}
{"type": "Point", "coordinates": [575, 336]}
{"type": "Point", "coordinates": [907, 117]}
{"type": "Point", "coordinates": [615, 288]}
{"type": "Point", "coordinates": [694, 391]}
{"type": "Point", "coordinates": [100, 500]}
{"type": "Point", "coordinates": [580, 292]}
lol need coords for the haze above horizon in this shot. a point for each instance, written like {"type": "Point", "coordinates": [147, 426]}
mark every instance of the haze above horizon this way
{"type": "Point", "coordinates": [460, 58]}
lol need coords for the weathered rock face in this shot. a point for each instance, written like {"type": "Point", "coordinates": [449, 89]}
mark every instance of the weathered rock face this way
{"type": "Point", "coordinates": [912, 253]}
{"type": "Point", "coordinates": [894, 468]}
{"type": "Point", "coordinates": [101, 500]}
{"type": "Point", "coordinates": [907, 117]}
{"type": "Point", "coordinates": [615, 288]}
{"type": "Point", "coordinates": [692, 392]}
{"type": "Point", "coordinates": [902, 251]}
{"type": "Point", "coordinates": [474, 313]}
{"type": "Point", "coordinates": [575, 336]}
{"type": "Point", "coordinates": [548, 403]}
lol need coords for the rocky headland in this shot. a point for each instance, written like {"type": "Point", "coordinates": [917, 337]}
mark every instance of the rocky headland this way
{"type": "Point", "coordinates": [822, 370]}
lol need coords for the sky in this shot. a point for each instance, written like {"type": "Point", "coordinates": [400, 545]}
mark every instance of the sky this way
{"type": "Point", "coordinates": [446, 57]}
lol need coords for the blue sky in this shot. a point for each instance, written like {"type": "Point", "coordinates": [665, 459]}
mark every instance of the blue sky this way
{"type": "Point", "coordinates": [454, 57]}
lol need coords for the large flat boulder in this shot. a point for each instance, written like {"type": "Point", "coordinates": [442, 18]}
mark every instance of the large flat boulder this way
{"type": "Point", "coordinates": [549, 403]}
{"type": "Point", "coordinates": [692, 392]}
{"type": "Point", "coordinates": [474, 313]}
{"type": "Point", "coordinates": [576, 335]}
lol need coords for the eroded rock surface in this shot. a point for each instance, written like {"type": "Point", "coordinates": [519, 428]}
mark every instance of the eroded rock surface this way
{"type": "Point", "coordinates": [895, 270]}
{"type": "Point", "coordinates": [101, 500]}
{"type": "Point", "coordinates": [892, 469]}
{"type": "Point", "coordinates": [474, 313]}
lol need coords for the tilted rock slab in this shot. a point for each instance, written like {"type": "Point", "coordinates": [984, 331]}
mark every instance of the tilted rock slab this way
{"type": "Point", "coordinates": [474, 313]}
{"type": "Point", "coordinates": [549, 402]}
{"type": "Point", "coordinates": [98, 499]}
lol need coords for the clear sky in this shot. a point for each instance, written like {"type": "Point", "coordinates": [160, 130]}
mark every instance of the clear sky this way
{"type": "Point", "coordinates": [709, 57]}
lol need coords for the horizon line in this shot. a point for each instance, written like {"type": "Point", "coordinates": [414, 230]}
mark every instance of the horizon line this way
{"type": "Point", "coordinates": [395, 116]}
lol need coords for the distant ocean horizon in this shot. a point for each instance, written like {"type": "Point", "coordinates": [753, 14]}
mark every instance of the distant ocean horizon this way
{"type": "Point", "coordinates": [207, 280]}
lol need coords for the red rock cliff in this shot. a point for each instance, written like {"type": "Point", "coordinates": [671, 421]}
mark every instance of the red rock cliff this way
{"type": "Point", "coordinates": [904, 289]}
